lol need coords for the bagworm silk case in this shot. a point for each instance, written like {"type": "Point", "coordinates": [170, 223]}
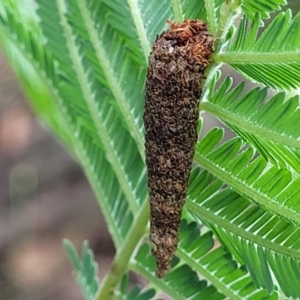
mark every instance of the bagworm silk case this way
{"type": "Point", "coordinates": [173, 88]}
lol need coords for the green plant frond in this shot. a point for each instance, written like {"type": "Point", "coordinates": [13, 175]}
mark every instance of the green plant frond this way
{"type": "Point", "coordinates": [109, 130]}
{"type": "Point", "coordinates": [273, 58]}
{"type": "Point", "coordinates": [251, 176]}
{"type": "Point", "coordinates": [148, 18]}
{"type": "Point", "coordinates": [245, 228]}
{"type": "Point", "coordinates": [219, 205]}
{"type": "Point", "coordinates": [138, 21]}
{"type": "Point", "coordinates": [216, 266]}
{"type": "Point", "coordinates": [133, 293]}
{"type": "Point", "coordinates": [279, 155]}
{"type": "Point", "coordinates": [113, 203]}
{"type": "Point", "coordinates": [88, 148]}
{"type": "Point", "coordinates": [193, 9]}
{"type": "Point", "coordinates": [95, 71]}
{"type": "Point", "coordinates": [181, 283]}
{"type": "Point", "coordinates": [95, 54]}
{"type": "Point", "coordinates": [86, 268]}
{"type": "Point", "coordinates": [17, 38]}
{"type": "Point", "coordinates": [96, 101]}
{"type": "Point", "coordinates": [263, 263]}
{"type": "Point", "coordinates": [118, 15]}
{"type": "Point", "coordinates": [268, 124]}
{"type": "Point", "coordinates": [251, 7]}
{"type": "Point", "coordinates": [35, 88]}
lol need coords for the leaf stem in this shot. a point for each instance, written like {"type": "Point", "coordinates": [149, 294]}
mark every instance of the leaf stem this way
{"type": "Point", "coordinates": [258, 57]}
{"type": "Point", "coordinates": [124, 253]}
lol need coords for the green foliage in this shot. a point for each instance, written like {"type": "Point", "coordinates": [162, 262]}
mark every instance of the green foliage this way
{"type": "Point", "coordinates": [251, 7]}
{"type": "Point", "coordinates": [272, 58]}
{"type": "Point", "coordinates": [83, 64]}
{"type": "Point", "coordinates": [86, 269]}
{"type": "Point", "coordinates": [135, 293]}
{"type": "Point", "coordinates": [262, 121]}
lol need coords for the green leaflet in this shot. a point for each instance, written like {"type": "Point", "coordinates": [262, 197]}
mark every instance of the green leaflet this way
{"type": "Point", "coordinates": [268, 123]}
{"type": "Point", "coordinates": [271, 187]}
{"type": "Point", "coordinates": [86, 268]}
{"type": "Point", "coordinates": [195, 249]}
{"type": "Point", "coordinates": [86, 143]}
{"type": "Point", "coordinates": [86, 275]}
{"type": "Point", "coordinates": [98, 74]}
{"type": "Point", "coordinates": [135, 293]}
{"type": "Point", "coordinates": [244, 227]}
{"type": "Point", "coordinates": [273, 58]}
{"type": "Point", "coordinates": [90, 96]}
{"type": "Point", "coordinates": [251, 233]}
{"type": "Point", "coordinates": [251, 7]}
{"type": "Point", "coordinates": [261, 262]}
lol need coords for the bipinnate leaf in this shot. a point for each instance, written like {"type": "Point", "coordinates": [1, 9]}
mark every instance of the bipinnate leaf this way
{"type": "Point", "coordinates": [271, 58]}
{"type": "Point", "coordinates": [86, 268]}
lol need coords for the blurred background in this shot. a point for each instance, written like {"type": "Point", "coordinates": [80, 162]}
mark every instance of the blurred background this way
{"type": "Point", "coordinates": [44, 197]}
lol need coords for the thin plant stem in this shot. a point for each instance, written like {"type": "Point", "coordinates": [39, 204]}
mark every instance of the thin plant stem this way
{"type": "Point", "coordinates": [124, 253]}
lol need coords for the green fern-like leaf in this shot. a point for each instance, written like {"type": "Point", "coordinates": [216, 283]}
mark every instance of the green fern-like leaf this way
{"type": "Point", "coordinates": [247, 229]}
{"type": "Point", "coordinates": [273, 58]}
{"type": "Point", "coordinates": [268, 124]}
{"type": "Point", "coordinates": [86, 268]}
{"type": "Point", "coordinates": [93, 76]}
{"type": "Point", "coordinates": [193, 9]}
{"type": "Point", "coordinates": [217, 266]}
{"type": "Point", "coordinates": [251, 7]}
{"type": "Point", "coordinates": [104, 50]}
{"type": "Point", "coordinates": [100, 166]}
{"type": "Point", "coordinates": [134, 293]}
{"type": "Point", "coordinates": [93, 64]}
{"type": "Point", "coordinates": [251, 176]}
{"type": "Point", "coordinates": [242, 226]}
